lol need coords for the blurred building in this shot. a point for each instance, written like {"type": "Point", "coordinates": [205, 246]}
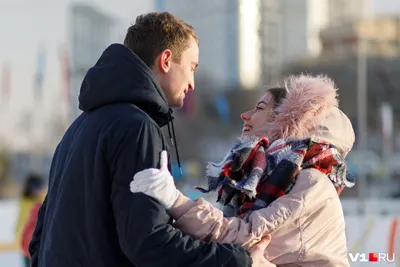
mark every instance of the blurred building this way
{"type": "Point", "coordinates": [381, 34]}
{"type": "Point", "coordinates": [90, 32]}
{"type": "Point", "coordinates": [298, 25]}
{"type": "Point", "coordinates": [342, 11]}
{"type": "Point", "coordinates": [301, 22]}
{"type": "Point", "coordinates": [339, 60]}
{"type": "Point", "coordinates": [271, 41]}
{"type": "Point", "coordinates": [229, 39]}
{"type": "Point", "coordinates": [244, 44]}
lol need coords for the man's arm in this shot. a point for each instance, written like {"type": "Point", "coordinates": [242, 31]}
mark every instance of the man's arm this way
{"type": "Point", "coordinates": [145, 236]}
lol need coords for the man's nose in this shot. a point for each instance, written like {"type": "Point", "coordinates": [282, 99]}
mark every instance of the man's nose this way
{"type": "Point", "coordinates": [191, 86]}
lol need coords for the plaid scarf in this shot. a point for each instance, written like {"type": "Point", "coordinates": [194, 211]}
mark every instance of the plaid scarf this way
{"type": "Point", "coordinates": [254, 173]}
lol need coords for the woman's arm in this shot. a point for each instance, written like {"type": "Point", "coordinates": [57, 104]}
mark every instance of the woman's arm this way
{"type": "Point", "coordinates": [201, 220]}
{"type": "Point", "coordinates": [206, 222]}
{"type": "Point", "coordinates": [182, 205]}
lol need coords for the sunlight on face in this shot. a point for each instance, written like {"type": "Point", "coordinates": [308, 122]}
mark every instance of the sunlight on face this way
{"type": "Point", "coordinates": [255, 120]}
{"type": "Point", "coordinates": [180, 78]}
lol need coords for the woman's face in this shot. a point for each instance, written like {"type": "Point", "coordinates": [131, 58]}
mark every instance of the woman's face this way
{"type": "Point", "coordinates": [255, 120]}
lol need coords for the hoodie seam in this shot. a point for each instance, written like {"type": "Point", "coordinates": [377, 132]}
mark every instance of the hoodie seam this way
{"type": "Point", "coordinates": [303, 249]}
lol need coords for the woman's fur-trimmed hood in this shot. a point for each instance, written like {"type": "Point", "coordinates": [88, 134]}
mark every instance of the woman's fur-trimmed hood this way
{"type": "Point", "coordinates": [310, 109]}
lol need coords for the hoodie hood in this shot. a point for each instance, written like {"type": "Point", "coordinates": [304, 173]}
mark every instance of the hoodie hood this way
{"type": "Point", "coordinates": [310, 109]}
{"type": "Point", "coordinates": [120, 76]}
{"type": "Point", "coordinates": [335, 129]}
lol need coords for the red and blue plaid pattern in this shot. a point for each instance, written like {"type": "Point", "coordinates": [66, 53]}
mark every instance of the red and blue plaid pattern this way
{"type": "Point", "coordinates": [254, 173]}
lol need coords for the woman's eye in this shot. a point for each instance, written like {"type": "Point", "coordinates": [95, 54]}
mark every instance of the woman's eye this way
{"type": "Point", "coordinates": [259, 108]}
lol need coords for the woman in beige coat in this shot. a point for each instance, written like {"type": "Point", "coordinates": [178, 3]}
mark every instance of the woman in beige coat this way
{"type": "Point", "coordinates": [304, 215]}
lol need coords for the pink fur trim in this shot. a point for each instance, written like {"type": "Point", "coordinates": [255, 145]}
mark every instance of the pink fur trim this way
{"type": "Point", "coordinates": [308, 100]}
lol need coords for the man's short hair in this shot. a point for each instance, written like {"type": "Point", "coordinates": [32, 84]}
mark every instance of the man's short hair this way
{"type": "Point", "coordinates": [156, 31]}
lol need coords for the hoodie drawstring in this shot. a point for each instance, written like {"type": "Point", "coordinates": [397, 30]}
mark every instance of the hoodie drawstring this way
{"type": "Point", "coordinates": [173, 139]}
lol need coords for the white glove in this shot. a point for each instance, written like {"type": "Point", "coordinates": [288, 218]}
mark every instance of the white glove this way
{"type": "Point", "coordinates": [157, 183]}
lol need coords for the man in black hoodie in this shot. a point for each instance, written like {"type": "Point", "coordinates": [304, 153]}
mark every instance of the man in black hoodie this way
{"type": "Point", "coordinates": [89, 217]}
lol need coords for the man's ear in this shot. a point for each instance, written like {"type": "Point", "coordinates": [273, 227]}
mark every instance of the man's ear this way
{"type": "Point", "coordinates": [164, 60]}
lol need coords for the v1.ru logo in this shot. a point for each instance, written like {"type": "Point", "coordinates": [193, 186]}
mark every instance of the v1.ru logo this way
{"type": "Point", "coordinates": [372, 257]}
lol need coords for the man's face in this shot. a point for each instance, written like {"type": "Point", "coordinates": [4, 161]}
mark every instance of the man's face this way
{"type": "Point", "coordinates": [176, 79]}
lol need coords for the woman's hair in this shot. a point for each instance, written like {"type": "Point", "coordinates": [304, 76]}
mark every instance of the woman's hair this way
{"type": "Point", "coordinates": [278, 95]}
{"type": "Point", "coordinates": [33, 182]}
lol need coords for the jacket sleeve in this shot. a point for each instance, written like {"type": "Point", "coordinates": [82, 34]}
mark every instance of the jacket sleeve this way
{"type": "Point", "coordinates": [206, 222]}
{"type": "Point", "coordinates": [34, 245]}
{"type": "Point", "coordinates": [145, 235]}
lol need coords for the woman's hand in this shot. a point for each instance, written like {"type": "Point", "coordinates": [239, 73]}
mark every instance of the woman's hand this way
{"type": "Point", "coordinates": [157, 183]}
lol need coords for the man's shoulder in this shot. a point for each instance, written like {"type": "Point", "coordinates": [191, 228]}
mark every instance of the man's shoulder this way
{"type": "Point", "coordinates": [130, 114]}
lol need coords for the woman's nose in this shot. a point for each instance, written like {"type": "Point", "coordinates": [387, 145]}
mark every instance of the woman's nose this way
{"type": "Point", "coordinates": [245, 115]}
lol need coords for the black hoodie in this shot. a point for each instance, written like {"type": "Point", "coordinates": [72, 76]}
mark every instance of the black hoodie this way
{"type": "Point", "coordinates": [90, 217]}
